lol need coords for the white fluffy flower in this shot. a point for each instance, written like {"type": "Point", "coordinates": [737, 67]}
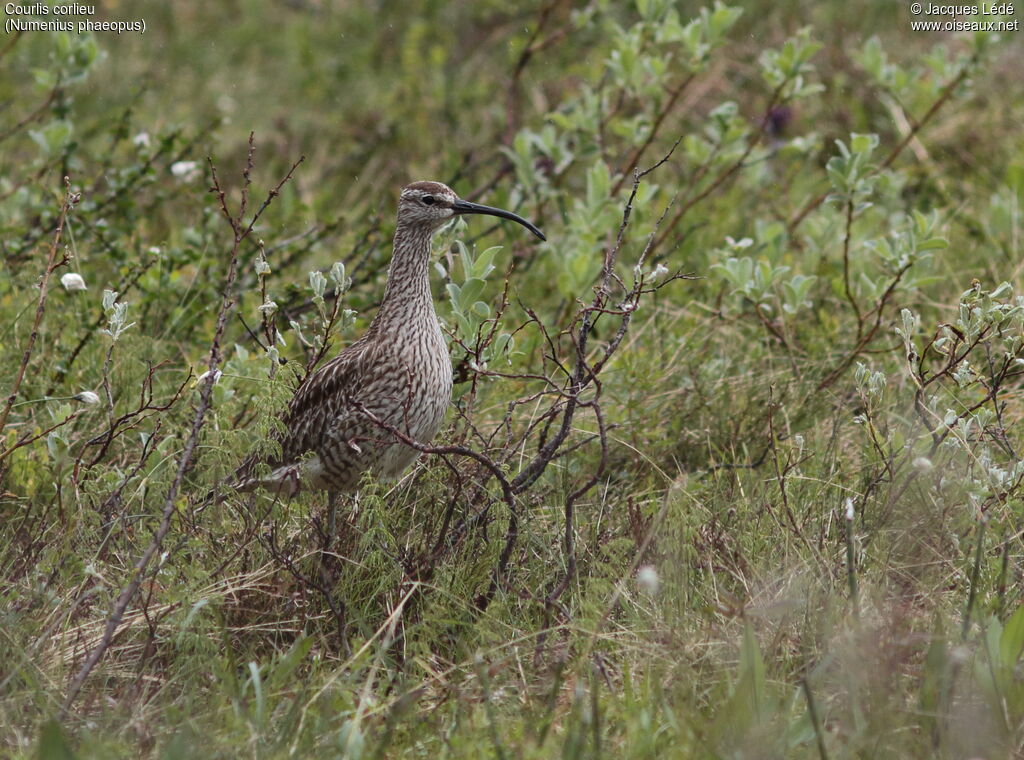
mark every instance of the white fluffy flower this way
{"type": "Point", "coordinates": [72, 281]}
{"type": "Point", "coordinates": [87, 397]}
{"type": "Point", "coordinates": [216, 376]}
{"type": "Point", "coordinates": [186, 171]}
{"type": "Point", "coordinates": [647, 579]}
{"type": "Point", "coordinates": [141, 140]}
{"type": "Point", "coordinates": [738, 245]}
{"type": "Point", "coordinates": [923, 464]}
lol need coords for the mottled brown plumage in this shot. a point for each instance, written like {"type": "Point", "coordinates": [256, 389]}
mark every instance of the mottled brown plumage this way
{"type": "Point", "coordinates": [399, 371]}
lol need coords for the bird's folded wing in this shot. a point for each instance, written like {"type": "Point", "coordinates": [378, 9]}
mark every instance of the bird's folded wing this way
{"type": "Point", "coordinates": [322, 402]}
{"type": "Point", "coordinates": [317, 406]}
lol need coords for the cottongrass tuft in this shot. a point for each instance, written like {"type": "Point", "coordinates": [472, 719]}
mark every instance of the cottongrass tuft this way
{"type": "Point", "coordinates": [186, 171]}
{"type": "Point", "coordinates": [73, 281]}
{"type": "Point", "coordinates": [647, 579]}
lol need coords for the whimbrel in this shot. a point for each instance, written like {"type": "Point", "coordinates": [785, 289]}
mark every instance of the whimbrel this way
{"type": "Point", "coordinates": [398, 373]}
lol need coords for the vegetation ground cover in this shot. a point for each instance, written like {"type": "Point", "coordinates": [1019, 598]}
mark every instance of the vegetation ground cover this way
{"type": "Point", "coordinates": [732, 468]}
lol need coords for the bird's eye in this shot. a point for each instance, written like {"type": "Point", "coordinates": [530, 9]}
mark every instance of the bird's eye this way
{"type": "Point", "coordinates": [428, 200]}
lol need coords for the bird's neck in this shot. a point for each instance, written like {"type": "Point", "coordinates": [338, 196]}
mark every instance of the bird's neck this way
{"type": "Point", "coordinates": [407, 294]}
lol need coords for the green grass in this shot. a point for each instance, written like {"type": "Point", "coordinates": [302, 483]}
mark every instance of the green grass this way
{"type": "Point", "coordinates": [793, 478]}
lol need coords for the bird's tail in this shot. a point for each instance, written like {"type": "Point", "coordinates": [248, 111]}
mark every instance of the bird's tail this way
{"type": "Point", "coordinates": [283, 483]}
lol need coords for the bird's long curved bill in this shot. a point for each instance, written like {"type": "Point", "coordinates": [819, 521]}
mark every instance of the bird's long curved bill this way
{"type": "Point", "coordinates": [465, 207]}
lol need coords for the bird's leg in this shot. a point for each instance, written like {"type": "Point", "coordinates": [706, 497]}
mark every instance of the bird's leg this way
{"type": "Point", "coordinates": [332, 515]}
{"type": "Point", "coordinates": [328, 567]}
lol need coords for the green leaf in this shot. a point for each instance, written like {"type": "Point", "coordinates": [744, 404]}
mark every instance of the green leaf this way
{"type": "Point", "coordinates": [863, 143]}
{"type": "Point", "coordinates": [935, 678]}
{"type": "Point", "coordinates": [257, 688]}
{"type": "Point", "coordinates": [53, 745]}
{"type": "Point", "coordinates": [932, 244]}
{"type": "Point", "coordinates": [52, 138]}
{"type": "Point", "coordinates": [453, 294]}
{"type": "Point", "coordinates": [599, 184]}
{"type": "Point", "coordinates": [45, 78]}
{"type": "Point", "coordinates": [350, 740]}
{"type": "Point", "coordinates": [721, 20]}
{"type": "Point", "coordinates": [1011, 642]}
{"type": "Point", "coordinates": [470, 292]}
{"type": "Point", "coordinates": [752, 681]}
{"type": "Point", "coordinates": [192, 613]}
{"type": "Point", "coordinates": [289, 661]}
{"type": "Point", "coordinates": [1015, 179]}
{"type": "Point", "coordinates": [484, 263]}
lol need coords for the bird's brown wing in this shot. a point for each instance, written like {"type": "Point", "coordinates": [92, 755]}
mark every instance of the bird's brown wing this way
{"type": "Point", "coordinates": [323, 402]}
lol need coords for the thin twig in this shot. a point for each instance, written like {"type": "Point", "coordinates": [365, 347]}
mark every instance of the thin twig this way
{"type": "Point", "coordinates": [186, 459]}
{"type": "Point", "coordinates": [52, 264]}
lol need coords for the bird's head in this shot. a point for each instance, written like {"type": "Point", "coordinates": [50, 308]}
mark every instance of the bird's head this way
{"type": "Point", "coordinates": [431, 204]}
